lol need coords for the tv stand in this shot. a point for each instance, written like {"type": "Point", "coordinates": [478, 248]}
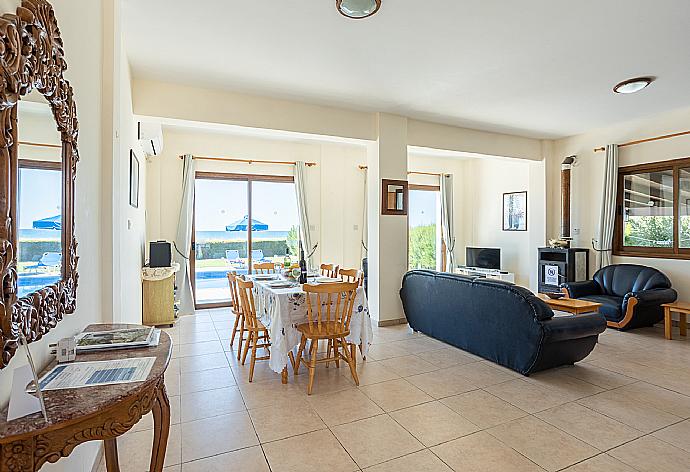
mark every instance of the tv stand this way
{"type": "Point", "coordinates": [487, 273]}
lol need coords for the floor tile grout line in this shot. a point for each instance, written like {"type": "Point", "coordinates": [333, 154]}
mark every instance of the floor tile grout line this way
{"type": "Point", "coordinates": [511, 447]}
{"type": "Point", "coordinates": [583, 460]}
{"type": "Point", "coordinates": [642, 433]}
{"type": "Point", "coordinates": [576, 400]}
{"type": "Point", "coordinates": [244, 448]}
{"type": "Point", "coordinates": [263, 451]}
{"type": "Point", "coordinates": [606, 451]}
{"type": "Point", "coordinates": [638, 380]}
{"type": "Point", "coordinates": [328, 427]}
{"type": "Point", "coordinates": [622, 422]}
{"type": "Point", "coordinates": [565, 372]}
{"type": "Point", "coordinates": [605, 389]}
{"type": "Point", "coordinates": [443, 442]}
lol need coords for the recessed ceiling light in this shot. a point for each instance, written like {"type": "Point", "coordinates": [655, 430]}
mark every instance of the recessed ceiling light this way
{"type": "Point", "coordinates": [358, 9]}
{"type": "Point", "coordinates": [633, 85]}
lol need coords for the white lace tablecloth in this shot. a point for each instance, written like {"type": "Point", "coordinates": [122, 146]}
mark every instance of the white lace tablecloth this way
{"type": "Point", "coordinates": [281, 310]}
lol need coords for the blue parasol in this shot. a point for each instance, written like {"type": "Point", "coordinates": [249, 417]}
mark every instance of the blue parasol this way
{"type": "Point", "coordinates": [243, 224]}
{"type": "Point", "coordinates": [54, 222]}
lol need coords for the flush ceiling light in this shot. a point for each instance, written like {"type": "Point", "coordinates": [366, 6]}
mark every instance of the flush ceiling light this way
{"type": "Point", "coordinates": [633, 85]}
{"type": "Point", "coordinates": [358, 9]}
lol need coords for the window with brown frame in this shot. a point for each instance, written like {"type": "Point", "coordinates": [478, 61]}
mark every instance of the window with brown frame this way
{"type": "Point", "coordinates": [653, 210]}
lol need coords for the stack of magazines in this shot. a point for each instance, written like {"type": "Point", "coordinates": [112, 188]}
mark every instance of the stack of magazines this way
{"type": "Point", "coordinates": [118, 339]}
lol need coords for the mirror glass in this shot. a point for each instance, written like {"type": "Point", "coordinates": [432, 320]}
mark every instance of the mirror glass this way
{"type": "Point", "coordinates": [396, 197]}
{"type": "Point", "coordinates": [39, 196]}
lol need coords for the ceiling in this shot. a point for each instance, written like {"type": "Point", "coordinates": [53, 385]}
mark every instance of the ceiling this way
{"type": "Point", "coordinates": [540, 68]}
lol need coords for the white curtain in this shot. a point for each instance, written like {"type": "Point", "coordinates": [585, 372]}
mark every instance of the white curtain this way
{"type": "Point", "coordinates": [183, 241]}
{"type": "Point", "coordinates": [608, 206]}
{"type": "Point", "coordinates": [301, 190]}
{"type": "Point", "coordinates": [447, 219]}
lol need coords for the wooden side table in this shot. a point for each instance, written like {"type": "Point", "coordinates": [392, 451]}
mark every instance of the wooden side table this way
{"type": "Point", "coordinates": [78, 415]}
{"type": "Point", "coordinates": [573, 306]}
{"type": "Point", "coordinates": [682, 308]}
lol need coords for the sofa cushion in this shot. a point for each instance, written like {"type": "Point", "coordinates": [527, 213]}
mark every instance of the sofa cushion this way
{"type": "Point", "coordinates": [611, 306]}
{"type": "Point", "coordinates": [537, 308]}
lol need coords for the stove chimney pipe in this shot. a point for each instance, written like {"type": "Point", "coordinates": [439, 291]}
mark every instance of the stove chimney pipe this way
{"type": "Point", "coordinates": [566, 167]}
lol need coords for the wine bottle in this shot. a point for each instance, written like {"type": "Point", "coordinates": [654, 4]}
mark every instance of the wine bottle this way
{"type": "Point", "coordinates": [302, 265]}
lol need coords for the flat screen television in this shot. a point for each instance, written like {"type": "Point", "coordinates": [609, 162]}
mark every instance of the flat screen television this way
{"type": "Point", "coordinates": [483, 257]}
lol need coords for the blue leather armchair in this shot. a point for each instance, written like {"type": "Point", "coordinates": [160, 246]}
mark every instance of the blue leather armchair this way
{"type": "Point", "coordinates": [631, 295]}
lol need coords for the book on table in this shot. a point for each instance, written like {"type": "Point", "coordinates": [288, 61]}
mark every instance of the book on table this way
{"type": "Point", "coordinates": [115, 339]}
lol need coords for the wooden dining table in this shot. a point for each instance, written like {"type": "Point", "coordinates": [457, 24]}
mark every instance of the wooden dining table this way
{"type": "Point", "coordinates": [282, 309]}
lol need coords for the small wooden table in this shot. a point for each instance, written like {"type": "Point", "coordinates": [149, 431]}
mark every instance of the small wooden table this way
{"type": "Point", "coordinates": [78, 415]}
{"type": "Point", "coordinates": [683, 309]}
{"type": "Point", "coordinates": [571, 305]}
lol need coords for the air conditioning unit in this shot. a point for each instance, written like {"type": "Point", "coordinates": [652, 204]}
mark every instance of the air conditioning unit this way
{"type": "Point", "coordinates": [150, 137]}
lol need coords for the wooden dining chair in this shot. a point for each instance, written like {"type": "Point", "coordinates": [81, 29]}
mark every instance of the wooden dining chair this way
{"type": "Point", "coordinates": [329, 270]}
{"type": "Point", "coordinates": [329, 313]}
{"type": "Point", "coordinates": [237, 310]}
{"type": "Point", "coordinates": [264, 268]}
{"type": "Point", "coordinates": [352, 275]}
{"type": "Point", "coordinates": [258, 333]}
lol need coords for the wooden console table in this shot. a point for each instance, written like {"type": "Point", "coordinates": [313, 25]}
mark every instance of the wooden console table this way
{"type": "Point", "coordinates": [91, 414]}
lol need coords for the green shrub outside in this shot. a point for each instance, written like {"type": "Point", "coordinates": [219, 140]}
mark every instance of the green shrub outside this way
{"type": "Point", "coordinates": [655, 231]}
{"type": "Point", "coordinates": [423, 247]}
{"type": "Point", "coordinates": [216, 249]}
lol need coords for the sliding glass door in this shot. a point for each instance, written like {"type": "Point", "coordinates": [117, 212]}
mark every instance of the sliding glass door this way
{"type": "Point", "coordinates": [239, 220]}
{"type": "Point", "coordinates": [217, 246]}
{"type": "Point", "coordinates": [424, 246]}
{"type": "Point", "coordinates": [275, 232]}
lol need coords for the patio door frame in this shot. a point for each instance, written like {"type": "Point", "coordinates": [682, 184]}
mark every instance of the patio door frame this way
{"type": "Point", "coordinates": [428, 188]}
{"type": "Point", "coordinates": [249, 178]}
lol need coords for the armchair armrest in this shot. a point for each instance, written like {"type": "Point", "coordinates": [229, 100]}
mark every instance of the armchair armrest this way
{"type": "Point", "coordinates": [656, 296]}
{"type": "Point", "coordinates": [581, 289]}
{"type": "Point", "coordinates": [562, 328]}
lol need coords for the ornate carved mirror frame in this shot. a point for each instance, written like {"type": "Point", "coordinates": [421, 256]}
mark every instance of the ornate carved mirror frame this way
{"type": "Point", "coordinates": [32, 57]}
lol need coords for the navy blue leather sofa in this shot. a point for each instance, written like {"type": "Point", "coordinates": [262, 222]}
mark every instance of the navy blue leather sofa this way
{"type": "Point", "coordinates": [631, 295]}
{"type": "Point", "coordinates": [496, 320]}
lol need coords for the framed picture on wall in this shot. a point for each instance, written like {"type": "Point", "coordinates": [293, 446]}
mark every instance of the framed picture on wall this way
{"type": "Point", "coordinates": [133, 179]}
{"type": "Point", "coordinates": [515, 211]}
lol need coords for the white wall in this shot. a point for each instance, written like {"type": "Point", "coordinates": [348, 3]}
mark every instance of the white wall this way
{"type": "Point", "coordinates": [479, 185]}
{"type": "Point", "coordinates": [295, 120]}
{"type": "Point", "coordinates": [452, 138]}
{"type": "Point", "coordinates": [486, 180]}
{"type": "Point", "coordinates": [163, 100]}
{"type": "Point", "coordinates": [36, 125]}
{"type": "Point", "coordinates": [78, 20]}
{"type": "Point", "coordinates": [587, 179]}
{"type": "Point", "coordinates": [129, 222]}
{"type": "Point", "coordinates": [336, 178]}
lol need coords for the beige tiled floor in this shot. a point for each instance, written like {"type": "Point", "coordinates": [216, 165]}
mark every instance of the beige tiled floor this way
{"type": "Point", "coordinates": [423, 406]}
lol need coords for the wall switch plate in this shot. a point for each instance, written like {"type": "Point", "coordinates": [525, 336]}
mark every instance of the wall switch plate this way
{"type": "Point", "coordinates": [312, 227]}
{"type": "Point", "coordinates": [576, 231]}
{"type": "Point", "coordinates": [355, 227]}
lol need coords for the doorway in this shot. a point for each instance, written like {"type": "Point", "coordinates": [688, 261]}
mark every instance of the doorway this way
{"type": "Point", "coordinates": [239, 220]}
{"type": "Point", "coordinates": [425, 245]}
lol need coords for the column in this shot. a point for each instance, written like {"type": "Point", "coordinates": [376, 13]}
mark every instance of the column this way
{"type": "Point", "coordinates": [386, 159]}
